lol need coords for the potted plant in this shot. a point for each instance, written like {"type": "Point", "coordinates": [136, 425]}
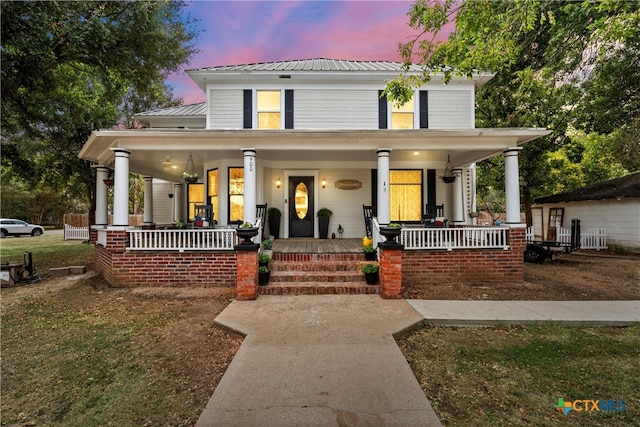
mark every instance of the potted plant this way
{"type": "Point", "coordinates": [263, 260]}
{"type": "Point", "coordinates": [391, 231]}
{"type": "Point", "coordinates": [263, 275]}
{"type": "Point", "coordinates": [247, 231]}
{"type": "Point", "coordinates": [274, 215]}
{"type": "Point", "coordinates": [369, 253]}
{"type": "Point", "coordinates": [267, 244]}
{"type": "Point", "coordinates": [324, 215]}
{"type": "Point", "coordinates": [190, 178]}
{"type": "Point", "coordinates": [371, 271]}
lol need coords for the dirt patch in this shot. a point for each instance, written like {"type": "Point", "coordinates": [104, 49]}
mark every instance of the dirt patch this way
{"type": "Point", "coordinates": [579, 276]}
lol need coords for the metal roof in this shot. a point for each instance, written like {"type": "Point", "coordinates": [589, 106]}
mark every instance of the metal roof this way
{"type": "Point", "coordinates": [627, 186]}
{"type": "Point", "coordinates": [318, 64]}
{"type": "Point", "coordinates": [198, 110]}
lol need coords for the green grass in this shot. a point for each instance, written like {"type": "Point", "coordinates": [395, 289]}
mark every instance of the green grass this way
{"type": "Point", "coordinates": [48, 251]}
{"type": "Point", "coordinates": [70, 367]}
{"type": "Point", "coordinates": [514, 376]}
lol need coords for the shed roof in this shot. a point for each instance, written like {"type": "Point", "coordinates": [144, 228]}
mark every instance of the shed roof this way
{"type": "Point", "coordinates": [317, 64]}
{"type": "Point", "coordinates": [627, 186]}
{"type": "Point", "coordinates": [194, 110]}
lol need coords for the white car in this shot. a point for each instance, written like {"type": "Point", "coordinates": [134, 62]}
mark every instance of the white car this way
{"type": "Point", "coordinates": [15, 227]}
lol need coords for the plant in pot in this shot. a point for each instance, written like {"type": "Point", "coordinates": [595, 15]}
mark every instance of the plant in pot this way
{"type": "Point", "coordinates": [370, 253]}
{"type": "Point", "coordinates": [190, 178]}
{"type": "Point", "coordinates": [247, 231]}
{"type": "Point", "coordinates": [371, 271]}
{"type": "Point", "coordinates": [263, 260]}
{"type": "Point", "coordinates": [274, 214]}
{"type": "Point", "coordinates": [324, 215]}
{"type": "Point", "coordinates": [267, 244]}
{"type": "Point", "coordinates": [263, 275]}
{"type": "Point", "coordinates": [391, 231]}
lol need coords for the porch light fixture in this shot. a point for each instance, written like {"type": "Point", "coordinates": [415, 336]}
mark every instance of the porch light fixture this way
{"type": "Point", "coordinates": [167, 165]}
{"type": "Point", "coordinates": [448, 177]}
{"type": "Point", "coordinates": [278, 182]}
{"type": "Point", "coordinates": [324, 182]}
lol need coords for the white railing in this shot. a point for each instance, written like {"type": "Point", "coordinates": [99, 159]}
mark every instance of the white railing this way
{"type": "Point", "coordinates": [590, 238]}
{"type": "Point", "coordinates": [75, 233]}
{"type": "Point", "coordinates": [415, 238]}
{"type": "Point", "coordinates": [101, 239]}
{"type": "Point", "coordinates": [455, 238]}
{"type": "Point", "coordinates": [530, 234]}
{"type": "Point", "coordinates": [222, 239]}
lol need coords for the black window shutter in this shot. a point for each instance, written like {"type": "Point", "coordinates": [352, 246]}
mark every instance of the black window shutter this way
{"type": "Point", "coordinates": [382, 111]}
{"type": "Point", "coordinates": [431, 187]}
{"type": "Point", "coordinates": [288, 109]}
{"type": "Point", "coordinates": [424, 109]}
{"type": "Point", "coordinates": [247, 119]}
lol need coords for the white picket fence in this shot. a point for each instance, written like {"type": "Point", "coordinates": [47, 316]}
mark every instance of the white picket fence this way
{"type": "Point", "coordinates": [75, 233]}
{"type": "Point", "coordinates": [590, 238]}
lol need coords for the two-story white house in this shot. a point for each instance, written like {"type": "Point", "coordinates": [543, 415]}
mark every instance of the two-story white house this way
{"type": "Point", "coordinates": [304, 135]}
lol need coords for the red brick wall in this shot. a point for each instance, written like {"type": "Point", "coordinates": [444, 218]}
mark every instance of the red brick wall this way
{"type": "Point", "coordinates": [481, 265]}
{"type": "Point", "coordinates": [160, 268]}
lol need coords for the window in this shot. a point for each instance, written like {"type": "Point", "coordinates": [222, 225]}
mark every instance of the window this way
{"type": "Point", "coordinates": [405, 195]}
{"type": "Point", "coordinates": [212, 191]}
{"type": "Point", "coordinates": [236, 194]}
{"type": "Point", "coordinates": [402, 117]}
{"type": "Point", "coordinates": [268, 109]}
{"type": "Point", "coordinates": [195, 194]}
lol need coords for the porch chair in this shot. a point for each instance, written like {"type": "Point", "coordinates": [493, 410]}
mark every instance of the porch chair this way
{"type": "Point", "coordinates": [368, 215]}
{"type": "Point", "coordinates": [434, 216]}
{"type": "Point", "coordinates": [261, 212]}
{"type": "Point", "coordinates": [205, 213]}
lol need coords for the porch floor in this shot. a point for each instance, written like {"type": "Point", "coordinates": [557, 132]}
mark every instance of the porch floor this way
{"type": "Point", "coordinates": [318, 246]}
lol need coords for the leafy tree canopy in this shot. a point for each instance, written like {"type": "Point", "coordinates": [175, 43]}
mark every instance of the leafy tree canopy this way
{"type": "Point", "coordinates": [556, 64]}
{"type": "Point", "coordinates": [69, 67]}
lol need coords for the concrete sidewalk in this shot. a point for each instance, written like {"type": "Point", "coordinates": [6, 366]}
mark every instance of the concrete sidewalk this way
{"type": "Point", "coordinates": [327, 360]}
{"type": "Point", "coordinates": [331, 360]}
{"type": "Point", "coordinates": [485, 313]}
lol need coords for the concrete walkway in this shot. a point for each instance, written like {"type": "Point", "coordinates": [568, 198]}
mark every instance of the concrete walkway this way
{"type": "Point", "coordinates": [484, 313]}
{"type": "Point", "coordinates": [327, 360]}
{"type": "Point", "coordinates": [331, 360]}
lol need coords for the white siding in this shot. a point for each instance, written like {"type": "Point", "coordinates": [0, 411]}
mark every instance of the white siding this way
{"type": "Point", "coordinates": [335, 109]}
{"type": "Point", "coordinates": [162, 204]}
{"type": "Point", "coordinates": [225, 108]}
{"type": "Point", "coordinates": [621, 218]}
{"type": "Point", "coordinates": [450, 109]}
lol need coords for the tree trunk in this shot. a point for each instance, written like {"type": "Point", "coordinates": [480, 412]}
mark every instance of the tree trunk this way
{"type": "Point", "coordinates": [526, 198]}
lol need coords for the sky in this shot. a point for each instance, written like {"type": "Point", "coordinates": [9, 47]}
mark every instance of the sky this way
{"type": "Point", "coordinates": [245, 32]}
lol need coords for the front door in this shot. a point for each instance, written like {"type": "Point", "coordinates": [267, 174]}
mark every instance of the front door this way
{"type": "Point", "coordinates": [301, 206]}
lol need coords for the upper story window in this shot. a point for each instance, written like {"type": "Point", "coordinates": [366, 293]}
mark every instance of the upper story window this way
{"type": "Point", "coordinates": [268, 105]}
{"type": "Point", "coordinates": [402, 117]}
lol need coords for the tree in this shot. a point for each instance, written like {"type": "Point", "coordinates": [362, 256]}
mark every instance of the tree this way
{"type": "Point", "coordinates": [71, 67]}
{"type": "Point", "coordinates": [549, 60]}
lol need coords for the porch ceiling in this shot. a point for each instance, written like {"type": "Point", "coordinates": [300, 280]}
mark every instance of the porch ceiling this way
{"type": "Point", "coordinates": [150, 147]}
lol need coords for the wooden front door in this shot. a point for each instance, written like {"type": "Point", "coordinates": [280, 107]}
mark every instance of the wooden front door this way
{"type": "Point", "coordinates": [301, 209]}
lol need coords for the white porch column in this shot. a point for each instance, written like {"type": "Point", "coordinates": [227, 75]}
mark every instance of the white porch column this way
{"type": "Point", "coordinates": [102, 217]}
{"type": "Point", "coordinates": [512, 185]}
{"type": "Point", "coordinates": [457, 195]}
{"type": "Point", "coordinates": [177, 202]}
{"type": "Point", "coordinates": [121, 188]}
{"type": "Point", "coordinates": [148, 200]}
{"type": "Point", "coordinates": [384, 199]}
{"type": "Point", "coordinates": [473, 203]}
{"type": "Point", "coordinates": [249, 214]}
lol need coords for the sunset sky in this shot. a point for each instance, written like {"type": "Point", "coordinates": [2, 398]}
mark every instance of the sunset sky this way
{"type": "Point", "coordinates": [242, 32]}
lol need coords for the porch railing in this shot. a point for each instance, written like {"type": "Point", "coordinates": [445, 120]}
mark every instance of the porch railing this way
{"type": "Point", "coordinates": [221, 239]}
{"type": "Point", "coordinates": [416, 238]}
{"type": "Point", "coordinates": [75, 233]}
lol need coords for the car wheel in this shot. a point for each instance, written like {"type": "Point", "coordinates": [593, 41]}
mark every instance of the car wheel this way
{"type": "Point", "coordinates": [534, 253]}
{"type": "Point", "coordinates": [36, 232]}
{"type": "Point", "coordinates": [3, 233]}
